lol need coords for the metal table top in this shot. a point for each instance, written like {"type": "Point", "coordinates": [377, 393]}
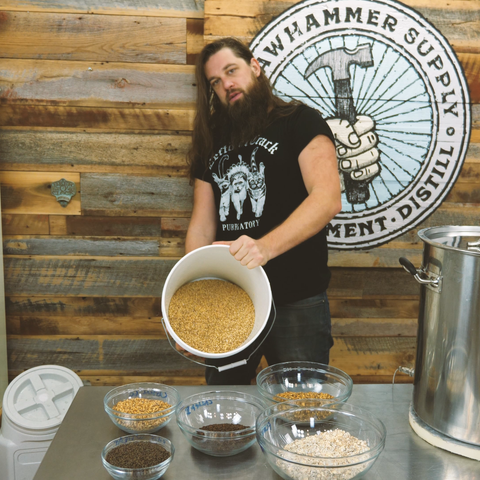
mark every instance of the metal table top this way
{"type": "Point", "coordinates": [75, 451]}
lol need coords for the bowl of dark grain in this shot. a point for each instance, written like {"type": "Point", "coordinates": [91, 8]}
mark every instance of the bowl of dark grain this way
{"type": "Point", "coordinates": [141, 407]}
{"type": "Point", "coordinates": [140, 457]}
{"type": "Point", "coordinates": [304, 380]}
{"type": "Point", "coordinates": [219, 423]}
{"type": "Point", "coordinates": [322, 442]}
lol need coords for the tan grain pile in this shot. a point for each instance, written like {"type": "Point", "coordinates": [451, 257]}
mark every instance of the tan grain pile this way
{"type": "Point", "coordinates": [213, 316]}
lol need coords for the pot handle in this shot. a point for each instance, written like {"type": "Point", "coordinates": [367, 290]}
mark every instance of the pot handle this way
{"type": "Point", "coordinates": [407, 265]}
{"type": "Point", "coordinates": [432, 281]}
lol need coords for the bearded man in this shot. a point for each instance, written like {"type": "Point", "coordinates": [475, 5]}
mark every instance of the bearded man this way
{"type": "Point", "coordinates": [238, 113]}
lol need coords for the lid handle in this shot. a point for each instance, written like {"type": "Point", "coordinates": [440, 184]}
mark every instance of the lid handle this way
{"type": "Point", "coordinates": [474, 246]}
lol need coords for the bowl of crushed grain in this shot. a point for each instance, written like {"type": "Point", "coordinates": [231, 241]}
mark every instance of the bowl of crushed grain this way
{"type": "Point", "coordinates": [141, 407]}
{"type": "Point", "coordinates": [143, 457]}
{"type": "Point", "coordinates": [212, 305]}
{"type": "Point", "coordinates": [304, 381]}
{"type": "Point", "coordinates": [338, 441]}
{"type": "Point", "coordinates": [219, 423]}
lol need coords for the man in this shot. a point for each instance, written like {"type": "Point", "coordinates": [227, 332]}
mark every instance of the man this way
{"type": "Point", "coordinates": [266, 183]}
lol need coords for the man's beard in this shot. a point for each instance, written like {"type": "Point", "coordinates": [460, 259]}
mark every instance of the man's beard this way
{"type": "Point", "coordinates": [244, 119]}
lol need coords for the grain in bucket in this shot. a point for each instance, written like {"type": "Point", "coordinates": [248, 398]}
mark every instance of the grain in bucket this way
{"type": "Point", "coordinates": [216, 262]}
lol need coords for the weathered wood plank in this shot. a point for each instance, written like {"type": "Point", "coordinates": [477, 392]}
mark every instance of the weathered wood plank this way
{"type": "Point", "coordinates": [458, 21]}
{"type": "Point", "coordinates": [372, 310]}
{"type": "Point", "coordinates": [85, 325]}
{"type": "Point", "coordinates": [107, 226]}
{"type": "Point", "coordinates": [114, 380]}
{"type": "Point", "coordinates": [372, 355]}
{"type": "Point", "coordinates": [384, 283]}
{"type": "Point", "coordinates": [116, 194]}
{"type": "Point", "coordinates": [56, 306]}
{"type": "Point", "coordinates": [94, 152]}
{"type": "Point", "coordinates": [25, 224]}
{"type": "Point", "coordinates": [30, 193]}
{"type": "Point", "coordinates": [47, 245]}
{"type": "Point", "coordinates": [174, 227]}
{"type": "Point", "coordinates": [96, 277]}
{"type": "Point", "coordinates": [99, 118]}
{"type": "Point", "coordinates": [126, 277]}
{"type": "Point", "coordinates": [195, 41]}
{"type": "Point", "coordinates": [157, 8]}
{"type": "Point", "coordinates": [376, 257]}
{"type": "Point", "coordinates": [96, 84]}
{"type": "Point", "coordinates": [93, 38]}
{"type": "Point", "coordinates": [112, 325]}
{"type": "Point", "coordinates": [150, 356]}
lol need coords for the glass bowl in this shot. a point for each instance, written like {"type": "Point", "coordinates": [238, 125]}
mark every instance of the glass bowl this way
{"type": "Point", "coordinates": [146, 473]}
{"type": "Point", "coordinates": [316, 441]}
{"type": "Point", "coordinates": [141, 422]}
{"type": "Point", "coordinates": [303, 378]}
{"type": "Point", "coordinates": [222, 411]}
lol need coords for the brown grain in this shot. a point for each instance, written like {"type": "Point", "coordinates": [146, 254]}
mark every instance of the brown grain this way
{"type": "Point", "coordinates": [213, 316]}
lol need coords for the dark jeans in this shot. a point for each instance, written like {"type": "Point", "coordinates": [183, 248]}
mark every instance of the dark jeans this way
{"type": "Point", "coordinates": [302, 331]}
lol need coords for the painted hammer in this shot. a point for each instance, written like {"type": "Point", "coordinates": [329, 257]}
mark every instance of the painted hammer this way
{"type": "Point", "coordinates": [339, 61]}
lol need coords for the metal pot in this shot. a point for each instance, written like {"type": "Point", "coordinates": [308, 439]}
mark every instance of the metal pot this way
{"type": "Point", "coordinates": [446, 393]}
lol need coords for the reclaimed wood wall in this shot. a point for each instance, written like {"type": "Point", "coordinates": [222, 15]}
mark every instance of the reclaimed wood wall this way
{"type": "Point", "coordinates": [102, 94]}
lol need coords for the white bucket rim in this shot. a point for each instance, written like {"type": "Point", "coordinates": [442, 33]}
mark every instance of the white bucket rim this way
{"type": "Point", "coordinates": [257, 271]}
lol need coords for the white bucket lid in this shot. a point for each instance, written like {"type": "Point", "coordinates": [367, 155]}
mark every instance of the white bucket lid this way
{"type": "Point", "coordinates": [40, 397]}
{"type": "Point", "coordinates": [216, 262]}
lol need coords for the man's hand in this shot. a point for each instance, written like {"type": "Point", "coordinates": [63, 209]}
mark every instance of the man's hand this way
{"type": "Point", "coordinates": [356, 149]}
{"type": "Point", "coordinates": [249, 252]}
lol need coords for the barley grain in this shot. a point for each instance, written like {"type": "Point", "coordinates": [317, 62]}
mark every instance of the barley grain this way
{"type": "Point", "coordinates": [213, 316]}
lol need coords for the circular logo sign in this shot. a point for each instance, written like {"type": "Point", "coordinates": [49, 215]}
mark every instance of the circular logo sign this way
{"type": "Point", "coordinates": [394, 94]}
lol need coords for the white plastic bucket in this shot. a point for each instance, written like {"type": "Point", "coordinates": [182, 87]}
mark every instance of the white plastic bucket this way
{"type": "Point", "coordinates": [216, 262]}
{"type": "Point", "coordinates": [34, 405]}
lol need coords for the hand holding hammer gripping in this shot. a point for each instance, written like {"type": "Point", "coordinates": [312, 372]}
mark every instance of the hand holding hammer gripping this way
{"type": "Point", "coordinates": [339, 61]}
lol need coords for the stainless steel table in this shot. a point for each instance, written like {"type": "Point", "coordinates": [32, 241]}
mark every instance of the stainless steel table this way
{"type": "Point", "coordinates": [75, 451]}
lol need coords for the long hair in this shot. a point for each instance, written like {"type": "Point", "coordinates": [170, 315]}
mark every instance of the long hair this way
{"type": "Point", "coordinates": [205, 126]}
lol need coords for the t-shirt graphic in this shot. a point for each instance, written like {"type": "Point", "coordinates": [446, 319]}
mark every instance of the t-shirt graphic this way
{"type": "Point", "coordinates": [241, 181]}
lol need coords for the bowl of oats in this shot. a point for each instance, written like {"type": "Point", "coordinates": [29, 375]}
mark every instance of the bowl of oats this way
{"type": "Point", "coordinates": [338, 441]}
{"type": "Point", "coordinates": [141, 407]}
{"type": "Point", "coordinates": [304, 380]}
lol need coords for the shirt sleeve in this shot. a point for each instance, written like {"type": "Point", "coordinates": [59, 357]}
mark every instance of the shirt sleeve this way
{"type": "Point", "coordinates": [308, 123]}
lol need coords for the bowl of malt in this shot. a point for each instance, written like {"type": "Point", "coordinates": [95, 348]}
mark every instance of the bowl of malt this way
{"type": "Point", "coordinates": [144, 407]}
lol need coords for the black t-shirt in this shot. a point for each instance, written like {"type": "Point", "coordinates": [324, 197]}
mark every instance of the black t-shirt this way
{"type": "Point", "coordinates": [258, 185]}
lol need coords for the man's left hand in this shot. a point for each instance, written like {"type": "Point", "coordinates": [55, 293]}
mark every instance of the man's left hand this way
{"type": "Point", "coordinates": [249, 252]}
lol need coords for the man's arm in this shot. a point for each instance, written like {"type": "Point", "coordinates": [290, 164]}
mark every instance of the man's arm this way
{"type": "Point", "coordinates": [318, 164]}
{"type": "Point", "coordinates": [203, 223]}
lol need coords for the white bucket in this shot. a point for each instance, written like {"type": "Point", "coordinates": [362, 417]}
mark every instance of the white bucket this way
{"type": "Point", "coordinates": [34, 405]}
{"type": "Point", "coordinates": [216, 262]}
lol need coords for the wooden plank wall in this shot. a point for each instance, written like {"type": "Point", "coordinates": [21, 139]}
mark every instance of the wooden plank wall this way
{"type": "Point", "coordinates": [102, 94]}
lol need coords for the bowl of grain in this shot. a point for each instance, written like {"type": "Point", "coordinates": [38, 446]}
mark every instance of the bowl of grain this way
{"type": "Point", "coordinates": [143, 457]}
{"type": "Point", "coordinates": [141, 407]}
{"type": "Point", "coordinates": [323, 442]}
{"type": "Point", "coordinates": [219, 423]}
{"type": "Point", "coordinates": [304, 380]}
{"type": "Point", "coordinates": [213, 306]}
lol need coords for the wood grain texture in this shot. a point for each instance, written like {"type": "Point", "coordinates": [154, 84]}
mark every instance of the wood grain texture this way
{"type": "Point", "coordinates": [30, 193]}
{"type": "Point", "coordinates": [99, 118]}
{"type": "Point", "coordinates": [96, 277]}
{"type": "Point", "coordinates": [127, 195]}
{"type": "Point", "coordinates": [154, 8]}
{"type": "Point", "coordinates": [53, 36]}
{"type": "Point", "coordinates": [106, 226]}
{"type": "Point", "coordinates": [25, 224]}
{"type": "Point", "coordinates": [93, 83]}
{"type": "Point", "coordinates": [154, 356]}
{"type": "Point", "coordinates": [46, 245]}
{"type": "Point", "coordinates": [458, 21]}
{"type": "Point", "coordinates": [94, 152]}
